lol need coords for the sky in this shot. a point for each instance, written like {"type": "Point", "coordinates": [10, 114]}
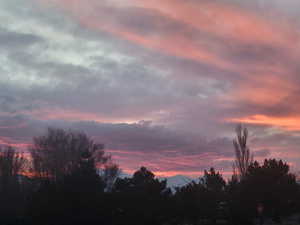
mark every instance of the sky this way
{"type": "Point", "coordinates": [162, 83]}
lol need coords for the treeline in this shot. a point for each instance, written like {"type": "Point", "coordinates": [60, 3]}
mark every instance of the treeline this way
{"type": "Point", "coordinates": [65, 178]}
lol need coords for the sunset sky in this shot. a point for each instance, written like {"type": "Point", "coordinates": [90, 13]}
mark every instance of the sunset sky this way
{"type": "Point", "coordinates": [162, 83]}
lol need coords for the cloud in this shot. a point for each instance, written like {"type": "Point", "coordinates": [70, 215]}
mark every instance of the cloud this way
{"type": "Point", "coordinates": [132, 145]}
{"type": "Point", "coordinates": [14, 40]}
{"type": "Point", "coordinates": [264, 153]}
{"type": "Point", "coordinates": [193, 68]}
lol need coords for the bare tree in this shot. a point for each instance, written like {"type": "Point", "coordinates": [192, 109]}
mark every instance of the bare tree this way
{"type": "Point", "coordinates": [12, 164]}
{"type": "Point", "coordinates": [59, 153]}
{"type": "Point", "coordinates": [243, 157]}
{"type": "Point", "coordinates": [111, 172]}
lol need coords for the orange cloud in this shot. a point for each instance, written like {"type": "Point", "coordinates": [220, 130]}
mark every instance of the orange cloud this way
{"type": "Point", "coordinates": [286, 123]}
{"type": "Point", "coordinates": [261, 89]}
{"type": "Point", "coordinates": [227, 22]}
{"type": "Point", "coordinates": [261, 83]}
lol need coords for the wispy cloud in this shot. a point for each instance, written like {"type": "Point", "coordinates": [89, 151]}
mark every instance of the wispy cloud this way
{"type": "Point", "coordinates": [192, 68]}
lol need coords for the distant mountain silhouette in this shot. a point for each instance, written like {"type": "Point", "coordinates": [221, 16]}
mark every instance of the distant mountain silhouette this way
{"type": "Point", "coordinates": [177, 181]}
{"type": "Point", "coordinates": [172, 182]}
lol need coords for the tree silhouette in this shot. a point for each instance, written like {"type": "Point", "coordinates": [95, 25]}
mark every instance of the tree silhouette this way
{"type": "Point", "coordinates": [243, 157]}
{"type": "Point", "coordinates": [213, 181]}
{"type": "Point", "coordinates": [12, 166]}
{"type": "Point", "coordinates": [191, 202]}
{"type": "Point", "coordinates": [59, 153]}
{"type": "Point", "coordinates": [72, 190]}
{"type": "Point", "coordinates": [74, 182]}
{"type": "Point", "coordinates": [215, 186]}
{"type": "Point", "coordinates": [143, 199]}
{"type": "Point", "coordinates": [273, 185]}
{"type": "Point", "coordinates": [202, 200]}
{"type": "Point", "coordinates": [110, 175]}
{"type": "Point", "coordinates": [270, 184]}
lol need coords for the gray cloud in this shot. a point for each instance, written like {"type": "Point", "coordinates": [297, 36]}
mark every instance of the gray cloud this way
{"type": "Point", "coordinates": [50, 61]}
{"type": "Point", "coordinates": [13, 40]}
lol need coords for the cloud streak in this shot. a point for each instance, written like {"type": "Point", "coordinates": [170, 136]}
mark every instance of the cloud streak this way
{"type": "Point", "coordinates": [189, 70]}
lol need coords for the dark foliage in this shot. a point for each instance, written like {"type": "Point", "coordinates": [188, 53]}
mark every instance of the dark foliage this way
{"type": "Point", "coordinates": [83, 187]}
{"type": "Point", "coordinates": [141, 199]}
{"type": "Point", "coordinates": [271, 185]}
{"type": "Point", "coordinates": [201, 201]}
